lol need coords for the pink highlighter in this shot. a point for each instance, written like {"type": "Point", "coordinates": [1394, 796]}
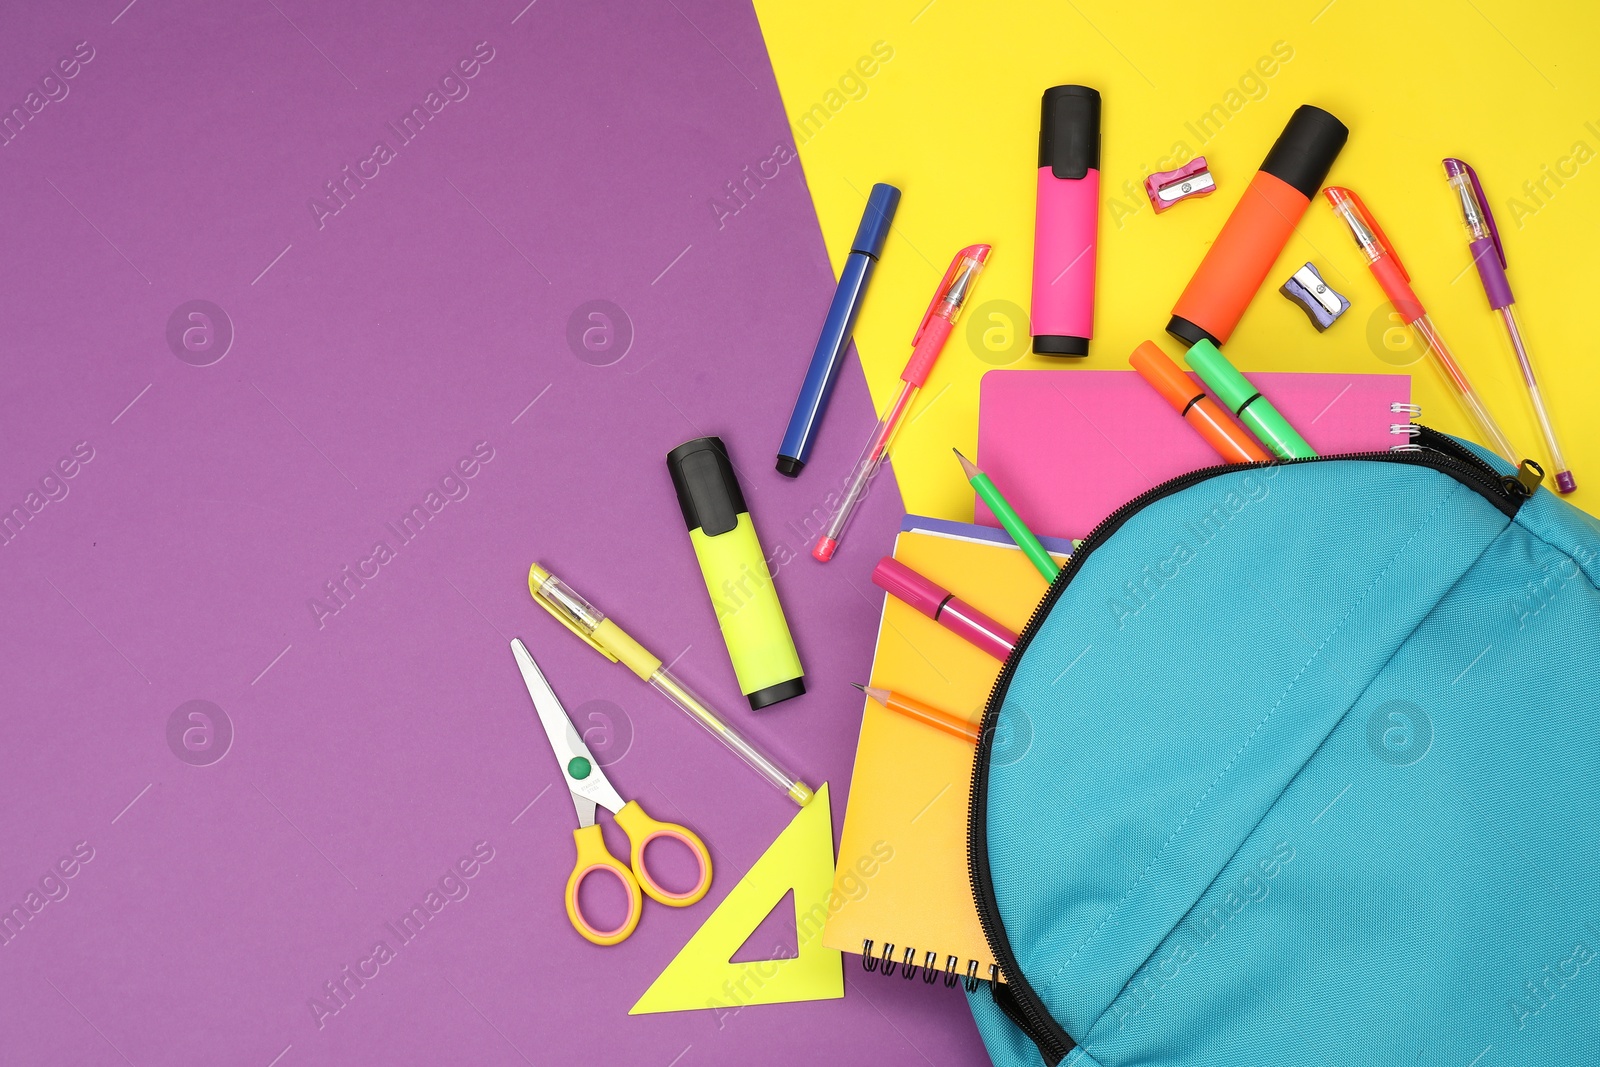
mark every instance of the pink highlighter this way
{"type": "Point", "coordinates": [1066, 221]}
{"type": "Point", "coordinates": [943, 607]}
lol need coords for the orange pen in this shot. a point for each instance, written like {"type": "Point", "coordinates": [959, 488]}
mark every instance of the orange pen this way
{"type": "Point", "coordinates": [1197, 409]}
{"type": "Point", "coordinates": [946, 721]}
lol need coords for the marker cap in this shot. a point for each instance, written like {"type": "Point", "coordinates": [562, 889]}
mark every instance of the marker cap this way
{"type": "Point", "coordinates": [708, 491]}
{"type": "Point", "coordinates": [875, 221]}
{"type": "Point", "coordinates": [1069, 130]}
{"type": "Point", "coordinates": [1165, 376]}
{"type": "Point", "coordinates": [1246, 402]}
{"type": "Point", "coordinates": [906, 585]}
{"type": "Point", "coordinates": [1230, 387]}
{"type": "Point", "coordinates": [1304, 152]}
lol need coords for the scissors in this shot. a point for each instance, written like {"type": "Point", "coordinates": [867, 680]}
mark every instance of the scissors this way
{"type": "Point", "coordinates": [589, 787]}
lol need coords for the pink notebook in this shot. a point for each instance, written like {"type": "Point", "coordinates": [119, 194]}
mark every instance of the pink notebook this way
{"type": "Point", "coordinates": [1067, 448]}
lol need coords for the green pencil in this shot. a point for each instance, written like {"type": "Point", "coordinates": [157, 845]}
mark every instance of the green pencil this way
{"type": "Point", "coordinates": [1009, 518]}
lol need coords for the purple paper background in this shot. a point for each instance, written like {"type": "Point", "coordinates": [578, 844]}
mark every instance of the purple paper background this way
{"type": "Point", "coordinates": [369, 356]}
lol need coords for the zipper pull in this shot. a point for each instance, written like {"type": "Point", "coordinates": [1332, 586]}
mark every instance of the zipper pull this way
{"type": "Point", "coordinates": [1528, 478]}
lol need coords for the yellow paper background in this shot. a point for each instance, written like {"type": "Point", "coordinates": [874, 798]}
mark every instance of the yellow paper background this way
{"type": "Point", "coordinates": [952, 119]}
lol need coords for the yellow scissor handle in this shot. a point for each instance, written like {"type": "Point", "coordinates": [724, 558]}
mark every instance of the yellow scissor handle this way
{"type": "Point", "coordinates": [593, 857]}
{"type": "Point", "coordinates": [641, 830]}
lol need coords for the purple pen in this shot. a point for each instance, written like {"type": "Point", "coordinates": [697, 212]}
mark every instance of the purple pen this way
{"type": "Point", "coordinates": [1490, 257]}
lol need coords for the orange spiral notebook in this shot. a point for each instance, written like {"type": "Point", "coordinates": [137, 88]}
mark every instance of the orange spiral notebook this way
{"type": "Point", "coordinates": [901, 878]}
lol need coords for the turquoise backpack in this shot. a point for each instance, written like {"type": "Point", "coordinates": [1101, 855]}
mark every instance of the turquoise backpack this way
{"type": "Point", "coordinates": [1297, 766]}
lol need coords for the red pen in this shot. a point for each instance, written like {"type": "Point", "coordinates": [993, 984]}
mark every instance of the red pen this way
{"type": "Point", "coordinates": [929, 341]}
{"type": "Point", "coordinates": [1396, 284]}
{"type": "Point", "coordinates": [943, 607]}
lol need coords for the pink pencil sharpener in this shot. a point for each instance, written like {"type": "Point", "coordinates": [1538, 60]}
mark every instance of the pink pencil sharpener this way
{"type": "Point", "coordinates": [1167, 187]}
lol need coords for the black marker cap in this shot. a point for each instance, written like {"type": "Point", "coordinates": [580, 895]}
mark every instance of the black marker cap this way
{"type": "Point", "coordinates": [1304, 152]}
{"type": "Point", "coordinates": [1069, 130]}
{"type": "Point", "coordinates": [1189, 333]}
{"type": "Point", "coordinates": [708, 490]}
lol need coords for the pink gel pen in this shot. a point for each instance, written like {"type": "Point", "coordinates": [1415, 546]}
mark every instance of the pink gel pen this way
{"type": "Point", "coordinates": [929, 341]}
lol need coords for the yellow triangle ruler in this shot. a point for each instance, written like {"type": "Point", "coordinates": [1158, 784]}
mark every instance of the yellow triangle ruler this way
{"type": "Point", "coordinates": [702, 975]}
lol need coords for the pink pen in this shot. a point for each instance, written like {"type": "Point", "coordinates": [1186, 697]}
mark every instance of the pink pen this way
{"type": "Point", "coordinates": [929, 341]}
{"type": "Point", "coordinates": [943, 607]}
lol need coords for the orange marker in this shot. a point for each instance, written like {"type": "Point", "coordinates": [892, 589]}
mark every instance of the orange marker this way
{"type": "Point", "coordinates": [1261, 224]}
{"type": "Point", "coordinates": [1197, 409]}
{"type": "Point", "coordinates": [947, 721]}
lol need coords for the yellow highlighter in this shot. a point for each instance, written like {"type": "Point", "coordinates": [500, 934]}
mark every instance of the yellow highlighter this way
{"type": "Point", "coordinates": [735, 572]}
{"type": "Point", "coordinates": [608, 639]}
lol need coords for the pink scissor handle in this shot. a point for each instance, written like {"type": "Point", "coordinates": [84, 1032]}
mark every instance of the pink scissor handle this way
{"type": "Point", "coordinates": [593, 858]}
{"type": "Point", "coordinates": [641, 830]}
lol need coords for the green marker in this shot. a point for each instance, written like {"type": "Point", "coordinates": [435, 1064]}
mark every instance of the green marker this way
{"type": "Point", "coordinates": [1254, 410]}
{"type": "Point", "coordinates": [1009, 518]}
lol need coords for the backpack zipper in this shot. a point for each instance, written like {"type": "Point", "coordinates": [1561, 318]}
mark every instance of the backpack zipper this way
{"type": "Point", "coordinates": [1016, 997]}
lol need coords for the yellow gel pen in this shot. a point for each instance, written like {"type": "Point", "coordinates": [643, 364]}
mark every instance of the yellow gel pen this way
{"type": "Point", "coordinates": [607, 638]}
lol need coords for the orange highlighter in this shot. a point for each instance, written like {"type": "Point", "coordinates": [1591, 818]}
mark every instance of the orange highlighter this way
{"type": "Point", "coordinates": [1197, 409]}
{"type": "Point", "coordinates": [1260, 225]}
{"type": "Point", "coordinates": [946, 721]}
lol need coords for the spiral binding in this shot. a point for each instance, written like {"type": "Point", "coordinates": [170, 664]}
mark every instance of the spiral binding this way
{"type": "Point", "coordinates": [1409, 429]}
{"type": "Point", "coordinates": [929, 966]}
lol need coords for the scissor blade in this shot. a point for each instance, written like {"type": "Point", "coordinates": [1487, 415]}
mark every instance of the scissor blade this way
{"type": "Point", "coordinates": [585, 780]}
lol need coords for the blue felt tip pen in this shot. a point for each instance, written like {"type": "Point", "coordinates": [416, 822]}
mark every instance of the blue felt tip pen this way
{"type": "Point", "coordinates": [823, 371]}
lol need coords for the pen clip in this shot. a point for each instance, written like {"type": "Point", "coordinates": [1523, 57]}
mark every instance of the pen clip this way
{"type": "Point", "coordinates": [1483, 206]}
{"type": "Point", "coordinates": [565, 620]}
{"type": "Point", "coordinates": [1372, 224]}
{"type": "Point", "coordinates": [976, 253]}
